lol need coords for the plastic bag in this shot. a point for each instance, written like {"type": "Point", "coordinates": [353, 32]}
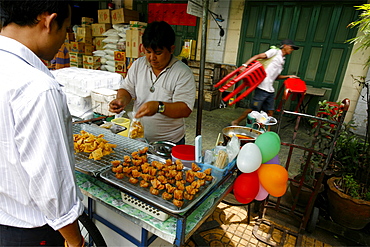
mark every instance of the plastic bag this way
{"type": "Point", "coordinates": [233, 147]}
{"type": "Point", "coordinates": [263, 118]}
{"type": "Point", "coordinates": [136, 127]}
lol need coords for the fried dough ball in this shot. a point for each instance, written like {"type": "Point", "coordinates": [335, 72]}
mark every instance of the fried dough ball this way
{"type": "Point", "coordinates": [208, 178]}
{"type": "Point", "coordinates": [133, 180]}
{"type": "Point", "coordinates": [178, 194]}
{"type": "Point", "coordinates": [167, 196]}
{"type": "Point", "coordinates": [208, 171]}
{"type": "Point", "coordinates": [170, 188]}
{"type": "Point", "coordinates": [187, 196]}
{"type": "Point", "coordinates": [118, 169]}
{"type": "Point", "coordinates": [144, 150]}
{"type": "Point", "coordinates": [144, 184]}
{"type": "Point", "coordinates": [120, 175]}
{"type": "Point", "coordinates": [189, 176]}
{"type": "Point", "coordinates": [200, 175]}
{"type": "Point", "coordinates": [195, 167]}
{"type": "Point", "coordinates": [179, 165]}
{"type": "Point", "coordinates": [127, 159]}
{"type": "Point", "coordinates": [179, 175]}
{"type": "Point", "coordinates": [135, 173]}
{"type": "Point", "coordinates": [178, 203]}
{"type": "Point", "coordinates": [153, 191]}
{"type": "Point", "coordinates": [115, 163]}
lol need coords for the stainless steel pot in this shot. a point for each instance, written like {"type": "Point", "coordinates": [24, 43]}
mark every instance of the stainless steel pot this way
{"type": "Point", "coordinates": [245, 134]}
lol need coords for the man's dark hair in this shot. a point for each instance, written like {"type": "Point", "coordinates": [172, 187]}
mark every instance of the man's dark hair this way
{"type": "Point", "coordinates": [24, 13]}
{"type": "Point", "coordinates": [158, 34]}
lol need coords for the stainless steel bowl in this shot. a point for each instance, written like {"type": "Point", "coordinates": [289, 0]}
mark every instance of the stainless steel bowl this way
{"type": "Point", "coordinates": [240, 131]}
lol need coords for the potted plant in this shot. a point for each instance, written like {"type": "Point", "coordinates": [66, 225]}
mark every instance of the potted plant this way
{"type": "Point", "coordinates": [349, 191]}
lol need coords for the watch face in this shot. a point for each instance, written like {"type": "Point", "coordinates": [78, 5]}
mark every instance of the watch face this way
{"type": "Point", "coordinates": [160, 107]}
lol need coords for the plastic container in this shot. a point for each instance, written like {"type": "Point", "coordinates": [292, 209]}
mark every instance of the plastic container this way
{"type": "Point", "coordinates": [185, 153]}
{"type": "Point", "coordinates": [125, 122]}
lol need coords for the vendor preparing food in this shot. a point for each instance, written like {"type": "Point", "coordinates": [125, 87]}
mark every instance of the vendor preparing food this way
{"type": "Point", "coordinates": [163, 87]}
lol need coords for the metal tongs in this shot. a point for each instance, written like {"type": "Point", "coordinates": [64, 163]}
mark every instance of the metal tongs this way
{"type": "Point", "coordinates": [252, 75]}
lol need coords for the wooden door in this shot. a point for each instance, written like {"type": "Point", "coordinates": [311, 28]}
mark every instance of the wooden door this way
{"type": "Point", "coordinates": [319, 28]}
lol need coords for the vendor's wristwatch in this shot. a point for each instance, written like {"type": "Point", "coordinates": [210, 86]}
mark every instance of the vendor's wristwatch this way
{"type": "Point", "coordinates": [160, 107]}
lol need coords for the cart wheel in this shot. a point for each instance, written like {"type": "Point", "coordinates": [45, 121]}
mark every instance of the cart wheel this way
{"type": "Point", "coordinates": [311, 224]}
{"type": "Point", "coordinates": [90, 232]}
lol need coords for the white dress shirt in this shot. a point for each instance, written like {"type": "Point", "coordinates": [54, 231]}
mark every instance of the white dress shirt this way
{"type": "Point", "coordinates": [37, 184]}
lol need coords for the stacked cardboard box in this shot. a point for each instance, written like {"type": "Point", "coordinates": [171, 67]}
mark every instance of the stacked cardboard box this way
{"type": "Point", "coordinates": [120, 16]}
{"type": "Point", "coordinates": [91, 62]}
{"type": "Point", "coordinates": [81, 44]}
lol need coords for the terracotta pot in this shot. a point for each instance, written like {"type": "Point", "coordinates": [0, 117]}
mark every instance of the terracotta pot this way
{"type": "Point", "coordinates": [345, 210]}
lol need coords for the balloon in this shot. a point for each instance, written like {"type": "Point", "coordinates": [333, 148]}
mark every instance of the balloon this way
{"type": "Point", "coordinates": [246, 187]}
{"type": "Point", "coordinates": [249, 158]}
{"type": "Point", "coordinates": [262, 194]}
{"type": "Point", "coordinates": [274, 160]}
{"type": "Point", "coordinates": [269, 144]}
{"type": "Point", "coordinates": [274, 178]}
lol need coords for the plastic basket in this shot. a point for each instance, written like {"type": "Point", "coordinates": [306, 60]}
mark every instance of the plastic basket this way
{"type": "Point", "coordinates": [217, 172]}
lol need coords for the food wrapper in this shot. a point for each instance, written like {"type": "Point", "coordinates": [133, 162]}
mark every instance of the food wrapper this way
{"type": "Point", "coordinates": [136, 127]}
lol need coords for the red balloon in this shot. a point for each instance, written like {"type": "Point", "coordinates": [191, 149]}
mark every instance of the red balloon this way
{"type": "Point", "coordinates": [246, 187]}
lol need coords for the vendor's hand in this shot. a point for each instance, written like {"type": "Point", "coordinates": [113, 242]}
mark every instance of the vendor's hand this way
{"type": "Point", "coordinates": [116, 105]}
{"type": "Point", "coordinates": [294, 76]}
{"type": "Point", "coordinates": [235, 123]}
{"type": "Point", "coordinates": [147, 109]}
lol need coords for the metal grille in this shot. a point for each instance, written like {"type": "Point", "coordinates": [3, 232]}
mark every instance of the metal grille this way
{"type": "Point", "coordinates": [125, 146]}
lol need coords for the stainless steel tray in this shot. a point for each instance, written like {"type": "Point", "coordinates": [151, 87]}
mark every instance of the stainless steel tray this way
{"type": "Point", "coordinates": [143, 193]}
{"type": "Point", "coordinates": [125, 146]}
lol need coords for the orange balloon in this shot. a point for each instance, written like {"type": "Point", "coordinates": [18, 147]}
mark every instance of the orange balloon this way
{"type": "Point", "coordinates": [274, 178]}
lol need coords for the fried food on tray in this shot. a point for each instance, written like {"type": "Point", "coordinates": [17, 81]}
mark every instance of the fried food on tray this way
{"type": "Point", "coordinates": [97, 146]}
{"type": "Point", "coordinates": [166, 179]}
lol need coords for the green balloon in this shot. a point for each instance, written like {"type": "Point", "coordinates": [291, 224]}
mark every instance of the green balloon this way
{"type": "Point", "coordinates": [269, 144]}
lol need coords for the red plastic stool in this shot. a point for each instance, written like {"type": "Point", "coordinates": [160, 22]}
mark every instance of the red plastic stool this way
{"type": "Point", "coordinates": [252, 76]}
{"type": "Point", "coordinates": [295, 87]}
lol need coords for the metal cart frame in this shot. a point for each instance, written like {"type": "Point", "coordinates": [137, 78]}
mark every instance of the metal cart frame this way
{"type": "Point", "coordinates": [309, 215]}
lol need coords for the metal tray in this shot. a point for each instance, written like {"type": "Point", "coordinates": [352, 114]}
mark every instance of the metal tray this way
{"type": "Point", "coordinates": [143, 193]}
{"type": "Point", "coordinates": [125, 146]}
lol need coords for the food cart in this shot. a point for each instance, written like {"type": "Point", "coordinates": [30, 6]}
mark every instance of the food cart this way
{"type": "Point", "coordinates": [131, 211]}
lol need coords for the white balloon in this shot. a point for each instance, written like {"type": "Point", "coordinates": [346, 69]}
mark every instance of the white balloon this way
{"type": "Point", "coordinates": [249, 158]}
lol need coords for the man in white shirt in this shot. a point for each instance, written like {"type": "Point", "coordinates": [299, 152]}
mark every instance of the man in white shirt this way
{"type": "Point", "coordinates": [263, 98]}
{"type": "Point", "coordinates": [162, 86]}
{"type": "Point", "coordinates": [39, 199]}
